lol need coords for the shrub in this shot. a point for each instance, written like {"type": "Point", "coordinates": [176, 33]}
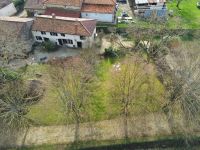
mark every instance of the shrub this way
{"type": "Point", "coordinates": [188, 36]}
{"type": "Point", "coordinates": [49, 46]}
{"type": "Point", "coordinates": [8, 75]}
{"type": "Point", "coordinates": [19, 4]}
{"type": "Point", "coordinates": [113, 53]}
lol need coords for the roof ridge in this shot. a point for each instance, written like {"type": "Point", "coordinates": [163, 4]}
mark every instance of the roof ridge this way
{"type": "Point", "coordinates": [85, 27]}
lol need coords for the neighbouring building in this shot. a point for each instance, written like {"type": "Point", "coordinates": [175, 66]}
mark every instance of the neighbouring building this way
{"type": "Point", "coordinates": [15, 27]}
{"type": "Point", "coordinates": [147, 8]}
{"type": "Point", "coordinates": [67, 31]}
{"type": "Point", "coordinates": [7, 8]}
{"type": "Point", "coordinates": [15, 41]}
{"type": "Point", "coordinates": [64, 8]}
{"type": "Point", "coordinates": [101, 10]}
{"type": "Point", "coordinates": [34, 7]}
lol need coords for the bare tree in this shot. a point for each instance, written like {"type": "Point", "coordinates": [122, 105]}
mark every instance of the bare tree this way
{"type": "Point", "coordinates": [74, 82]}
{"type": "Point", "coordinates": [15, 99]}
{"type": "Point", "coordinates": [127, 81]}
{"type": "Point", "coordinates": [184, 88]}
{"type": "Point", "coordinates": [152, 41]}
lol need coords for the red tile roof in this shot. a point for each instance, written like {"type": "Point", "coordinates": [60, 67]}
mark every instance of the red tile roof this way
{"type": "Point", "coordinates": [67, 25]}
{"type": "Point", "coordinates": [94, 8]}
{"type": "Point", "coordinates": [99, 6]}
{"type": "Point", "coordinates": [103, 2]}
{"type": "Point", "coordinates": [34, 4]}
{"type": "Point", "coordinates": [62, 13]}
{"type": "Point", "coordinates": [76, 3]}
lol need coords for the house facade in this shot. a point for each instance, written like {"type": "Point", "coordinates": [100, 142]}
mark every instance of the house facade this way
{"type": "Point", "coordinates": [100, 10]}
{"type": "Point", "coordinates": [64, 31]}
{"type": "Point", "coordinates": [147, 8]}
{"type": "Point", "coordinates": [7, 8]}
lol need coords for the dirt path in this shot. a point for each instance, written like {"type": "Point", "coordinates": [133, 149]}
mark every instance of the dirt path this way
{"type": "Point", "coordinates": [140, 126]}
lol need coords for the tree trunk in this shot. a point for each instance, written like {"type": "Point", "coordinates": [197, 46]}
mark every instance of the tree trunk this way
{"type": "Point", "coordinates": [25, 135]}
{"type": "Point", "coordinates": [125, 123]}
{"type": "Point", "coordinates": [77, 130]}
{"type": "Point", "coordinates": [170, 118]}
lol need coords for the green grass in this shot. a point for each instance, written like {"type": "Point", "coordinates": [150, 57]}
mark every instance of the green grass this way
{"type": "Point", "coordinates": [188, 17]}
{"type": "Point", "coordinates": [49, 110]}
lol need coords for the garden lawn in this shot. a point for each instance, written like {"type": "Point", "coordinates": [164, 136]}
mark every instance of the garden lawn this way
{"type": "Point", "coordinates": [188, 17]}
{"type": "Point", "coordinates": [49, 110]}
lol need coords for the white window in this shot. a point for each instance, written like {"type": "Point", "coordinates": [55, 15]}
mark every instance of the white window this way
{"type": "Point", "coordinates": [53, 34]}
{"type": "Point", "coordinates": [69, 41]}
{"type": "Point", "coordinates": [39, 38]}
{"type": "Point", "coordinates": [62, 34]}
{"type": "Point", "coordinates": [42, 32]}
{"type": "Point", "coordinates": [82, 37]}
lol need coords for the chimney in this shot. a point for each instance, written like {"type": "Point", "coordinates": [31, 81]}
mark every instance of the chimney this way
{"type": "Point", "coordinates": [53, 15]}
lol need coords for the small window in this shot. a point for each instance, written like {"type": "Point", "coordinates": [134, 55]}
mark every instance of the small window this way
{"type": "Point", "coordinates": [69, 41]}
{"type": "Point", "coordinates": [42, 32]}
{"type": "Point", "coordinates": [39, 38]}
{"type": "Point", "coordinates": [153, 3]}
{"type": "Point", "coordinates": [53, 34]}
{"type": "Point", "coordinates": [62, 34]}
{"type": "Point", "coordinates": [82, 37]}
{"type": "Point", "coordinates": [46, 39]}
{"type": "Point", "coordinates": [64, 41]}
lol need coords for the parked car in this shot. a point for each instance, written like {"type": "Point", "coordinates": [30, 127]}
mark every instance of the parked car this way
{"type": "Point", "coordinates": [124, 14]}
{"type": "Point", "coordinates": [122, 1]}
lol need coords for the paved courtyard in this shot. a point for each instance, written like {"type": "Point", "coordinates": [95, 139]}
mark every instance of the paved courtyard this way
{"type": "Point", "coordinates": [62, 52]}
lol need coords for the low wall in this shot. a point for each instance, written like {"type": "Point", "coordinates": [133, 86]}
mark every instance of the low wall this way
{"type": "Point", "coordinates": [140, 126]}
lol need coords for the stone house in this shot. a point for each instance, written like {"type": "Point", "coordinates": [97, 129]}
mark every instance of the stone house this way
{"type": "Point", "coordinates": [64, 31]}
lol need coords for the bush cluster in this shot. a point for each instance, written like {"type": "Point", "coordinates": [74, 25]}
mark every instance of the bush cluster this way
{"type": "Point", "coordinates": [49, 46]}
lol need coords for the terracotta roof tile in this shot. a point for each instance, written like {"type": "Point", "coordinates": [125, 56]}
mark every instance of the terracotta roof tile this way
{"type": "Point", "coordinates": [34, 4]}
{"type": "Point", "coordinates": [72, 26]}
{"type": "Point", "coordinates": [98, 8]}
{"type": "Point", "coordinates": [104, 2]}
{"type": "Point", "coordinates": [76, 3]}
{"type": "Point", "coordinates": [62, 13]}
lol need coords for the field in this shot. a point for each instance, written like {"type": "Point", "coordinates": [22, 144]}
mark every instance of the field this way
{"type": "Point", "coordinates": [188, 17]}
